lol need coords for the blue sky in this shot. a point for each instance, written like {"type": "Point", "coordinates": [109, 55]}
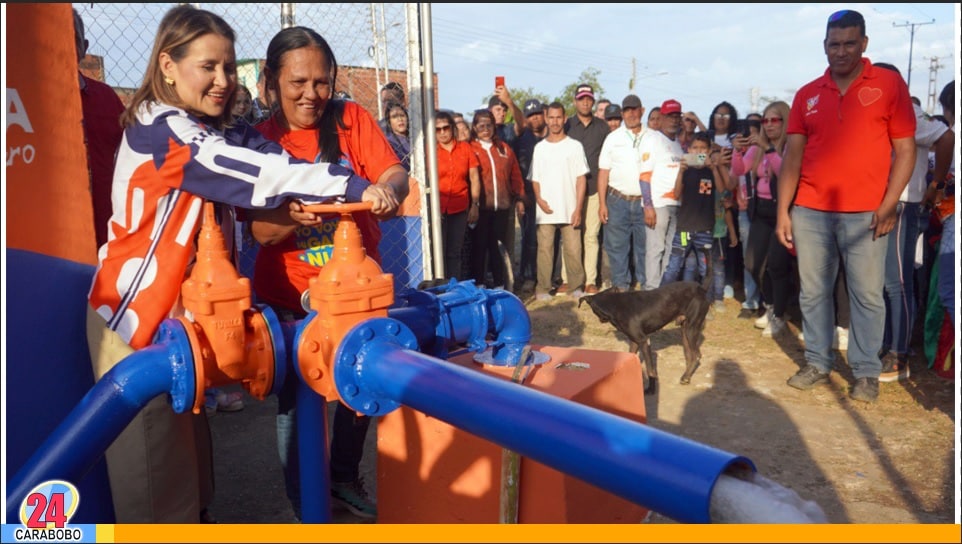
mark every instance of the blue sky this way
{"type": "Point", "coordinates": [699, 54]}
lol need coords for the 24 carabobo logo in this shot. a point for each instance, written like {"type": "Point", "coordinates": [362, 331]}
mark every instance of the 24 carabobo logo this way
{"type": "Point", "coordinates": [50, 505]}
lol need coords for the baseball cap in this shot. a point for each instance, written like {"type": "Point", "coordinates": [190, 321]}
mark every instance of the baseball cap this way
{"type": "Point", "coordinates": [532, 107]}
{"type": "Point", "coordinates": [631, 101]}
{"type": "Point", "coordinates": [584, 90]}
{"type": "Point", "coordinates": [670, 106]}
{"type": "Point", "coordinates": [613, 111]}
{"type": "Point", "coordinates": [495, 101]}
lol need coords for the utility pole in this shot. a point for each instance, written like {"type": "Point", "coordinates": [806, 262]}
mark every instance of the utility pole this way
{"type": "Point", "coordinates": [933, 90]}
{"type": "Point", "coordinates": [911, 44]}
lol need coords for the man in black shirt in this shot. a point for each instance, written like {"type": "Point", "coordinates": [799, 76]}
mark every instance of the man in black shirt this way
{"type": "Point", "coordinates": [534, 131]}
{"type": "Point", "coordinates": [591, 131]}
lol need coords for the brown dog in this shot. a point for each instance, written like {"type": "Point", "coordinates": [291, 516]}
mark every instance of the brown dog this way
{"type": "Point", "coordinates": [638, 314]}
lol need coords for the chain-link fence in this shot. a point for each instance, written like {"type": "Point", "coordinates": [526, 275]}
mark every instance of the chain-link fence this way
{"type": "Point", "coordinates": [369, 41]}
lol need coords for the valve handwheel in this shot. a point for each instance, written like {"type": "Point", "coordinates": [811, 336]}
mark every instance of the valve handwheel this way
{"type": "Point", "coordinates": [339, 207]}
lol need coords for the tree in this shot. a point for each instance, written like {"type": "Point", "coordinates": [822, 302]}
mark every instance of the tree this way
{"type": "Point", "coordinates": [589, 76]}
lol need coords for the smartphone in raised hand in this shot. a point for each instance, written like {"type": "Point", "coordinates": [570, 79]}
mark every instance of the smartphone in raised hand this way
{"type": "Point", "coordinates": [498, 81]}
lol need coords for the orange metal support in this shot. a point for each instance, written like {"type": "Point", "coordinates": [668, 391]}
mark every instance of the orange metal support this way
{"type": "Point", "coordinates": [351, 288]}
{"type": "Point", "coordinates": [230, 340]}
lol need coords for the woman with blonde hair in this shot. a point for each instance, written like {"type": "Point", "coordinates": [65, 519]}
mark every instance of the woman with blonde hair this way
{"type": "Point", "coordinates": [768, 261]}
{"type": "Point", "coordinates": [182, 147]}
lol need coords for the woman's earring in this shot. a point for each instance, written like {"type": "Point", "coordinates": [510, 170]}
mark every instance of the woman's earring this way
{"type": "Point", "coordinates": [168, 80]}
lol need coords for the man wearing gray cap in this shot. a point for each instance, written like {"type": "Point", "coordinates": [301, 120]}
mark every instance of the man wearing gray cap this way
{"type": "Point", "coordinates": [620, 210]}
{"type": "Point", "coordinates": [534, 131]}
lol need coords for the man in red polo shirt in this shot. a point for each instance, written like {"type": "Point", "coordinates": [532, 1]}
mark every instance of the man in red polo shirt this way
{"type": "Point", "coordinates": [102, 134]}
{"type": "Point", "coordinates": [844, 129]}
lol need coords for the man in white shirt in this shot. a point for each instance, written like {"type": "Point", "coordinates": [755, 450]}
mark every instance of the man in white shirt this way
{"type": "Point", "coordinates": [558, 177]}
{"type": "Point", "coordinates": [620, 210]}
{"type": "Point", "coordinates": [660, 155]}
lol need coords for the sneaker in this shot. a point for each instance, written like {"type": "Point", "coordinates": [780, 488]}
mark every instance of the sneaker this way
{"type": "Point", "coordinates": [762, 322]}
{"type": "Point", "coordinates": [750, 306]}
{"type": "Point", "coordinates": [807, 377]}
{"type": "Point", "coordinates": [729, 291]}
{"type": "Point", "coordinates": [865, 390]}
{"type": "Point", "coordinates": [351, 495]}
{"type": "Point", "coordinates": [561, 290]}
{"type": "Point", "coordinates": [541, 297]}
{"type": "Point", "coordinates": [775, 326]}
{"type": "Point", "coordinates": [894, 368]}
{"type": "Point", "coordinates": [591, 290]}
{"type": "Point", "coordinates": [576, 294]}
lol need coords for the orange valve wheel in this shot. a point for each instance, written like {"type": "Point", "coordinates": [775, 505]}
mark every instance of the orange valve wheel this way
{"type": "Point", "coordinates": [338, 207]}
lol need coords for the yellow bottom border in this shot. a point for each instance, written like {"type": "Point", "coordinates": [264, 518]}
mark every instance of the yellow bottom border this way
{"type": "Point", "coordinates": [742, 534]}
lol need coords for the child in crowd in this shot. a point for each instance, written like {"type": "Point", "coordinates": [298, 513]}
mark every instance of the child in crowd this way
{"type": "Point", "coordinates": [700, 177]}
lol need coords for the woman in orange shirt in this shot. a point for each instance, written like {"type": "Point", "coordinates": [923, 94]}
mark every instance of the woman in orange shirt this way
{"type": "Point", "coordinates": [301, 71]}
{"type": "Point", "coordinates": [459, 187]}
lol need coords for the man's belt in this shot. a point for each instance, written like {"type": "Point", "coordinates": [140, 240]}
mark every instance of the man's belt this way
{"type": "Point", "coordinates": [623, 196]}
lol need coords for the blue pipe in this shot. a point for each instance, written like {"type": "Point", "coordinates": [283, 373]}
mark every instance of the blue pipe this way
{"type": "Point", "coordinates": [312, 459]}
{"type": "Point", "coordinates": [458, 313]}
{"type": "Point", "coordinates": [377, 370]}
{"type": "Point", "coordinates": [105, 411]}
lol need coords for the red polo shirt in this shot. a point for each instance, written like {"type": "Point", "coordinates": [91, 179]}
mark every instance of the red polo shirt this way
{"type": "Point", "coordinates": [848, 156]}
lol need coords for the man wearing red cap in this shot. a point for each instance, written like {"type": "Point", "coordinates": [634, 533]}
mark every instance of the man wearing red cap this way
{"type": "Point", "coordinates": [591, 131]}
{"type": "Point", "coordinates": [660, 155]}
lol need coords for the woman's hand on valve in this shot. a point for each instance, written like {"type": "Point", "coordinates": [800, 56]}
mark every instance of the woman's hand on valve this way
{"type": "Point", "coordinates": [383, 199]}
{"type": "Point", "coordinates": [303, 217]}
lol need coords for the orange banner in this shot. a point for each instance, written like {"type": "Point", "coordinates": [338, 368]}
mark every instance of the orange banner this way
{"type": "Point", "coordinates": [48, 206]}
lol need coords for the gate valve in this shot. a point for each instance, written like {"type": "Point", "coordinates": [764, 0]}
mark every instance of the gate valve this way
{"type": "Point", "coordinates": [231, 342]}
{"type": "Point", "coordinates": [350, 288]}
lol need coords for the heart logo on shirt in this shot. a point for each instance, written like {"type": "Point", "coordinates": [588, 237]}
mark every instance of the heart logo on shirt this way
{"type": "Point", "coordinates": [869, 95]}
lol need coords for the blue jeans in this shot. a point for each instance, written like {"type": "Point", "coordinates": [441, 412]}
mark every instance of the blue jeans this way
{"type": "Point", "coordinates": [529, 243]}
{"type": "Point", "coordinates": [744, 227]}
{"type": "Point", "coordinates": [658, 245]}
{"type": "Point", "coordinates": [625, 234]}
{"type": "Point", "coordinates": [900, 279]}
{"type": "Point", "coordinates": [822, 240]}
{"type": "Point", "coordinates": [946, 264]}
{"type": "Point", "coordinates": [688, 252]}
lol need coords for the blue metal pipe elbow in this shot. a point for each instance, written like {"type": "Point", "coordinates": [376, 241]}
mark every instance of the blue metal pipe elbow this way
{"type": "Point", "coordinates": [459, 313]}
{"type": "Point", "coordinates": [510, 320]}
{"type": "Point", "coordinates": [668, 474]}
{"type": "Point", "coordinates": [111, 404]}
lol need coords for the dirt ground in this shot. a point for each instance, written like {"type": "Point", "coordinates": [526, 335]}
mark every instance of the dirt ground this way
{"type": "Point", "coordinates": [889, 462]}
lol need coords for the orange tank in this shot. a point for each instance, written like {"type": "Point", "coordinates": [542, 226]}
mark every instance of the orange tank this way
{"type": "Point", "coordinates": [431, 472]}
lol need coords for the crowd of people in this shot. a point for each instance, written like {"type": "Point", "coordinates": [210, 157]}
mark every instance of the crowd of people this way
{"type": "Point", "coordinates": [602, 199]}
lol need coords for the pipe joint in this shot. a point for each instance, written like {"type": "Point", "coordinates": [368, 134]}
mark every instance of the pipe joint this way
{"type": "Point", "coordinates": [354, 356]}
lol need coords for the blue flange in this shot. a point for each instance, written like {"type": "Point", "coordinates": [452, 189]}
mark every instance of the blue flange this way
{"type": "Point", "coordinates": [349, 362]}
{"type": "Point", "coordinates": [183, 378]}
